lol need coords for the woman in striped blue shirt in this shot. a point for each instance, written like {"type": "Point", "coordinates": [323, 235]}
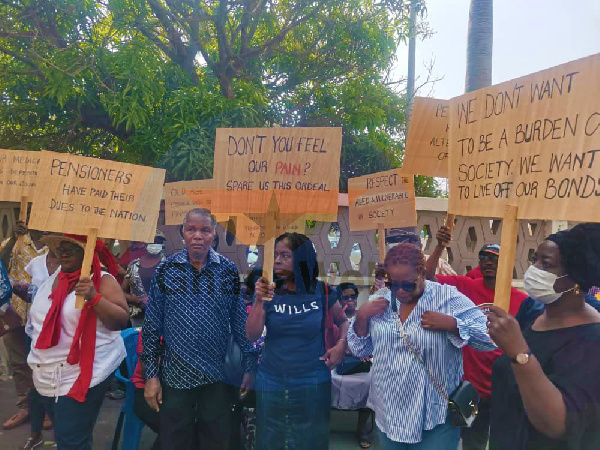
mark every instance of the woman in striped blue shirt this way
{"type": "Point", "coordinates": [437, 321]}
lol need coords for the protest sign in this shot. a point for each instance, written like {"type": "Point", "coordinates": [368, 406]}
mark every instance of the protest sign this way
{"type": "Point", "coordinates": [251, 229]}
{"type": "Point", "coordinates": [533, 142]}
{"type": "Point", "coordinates": [18, 174]}
{"type": "Point", "coordinates": [426, 149]}
{"type": "Point", "coordinates": [121, 201]}
{"type": "Point", "coordinates": [177, 203]}
{"type": "Point", "coordinates": [382, 200]}
{"type": "Point", "coordinates": [386, 198]}
{"type": "Point", "coordinates": [183, 196]}
{"type": "Point", "coordinates": [300, 165]}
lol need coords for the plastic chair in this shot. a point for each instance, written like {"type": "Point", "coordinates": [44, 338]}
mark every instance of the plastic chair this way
{"type": "Point", "coordinates": [133, 425]}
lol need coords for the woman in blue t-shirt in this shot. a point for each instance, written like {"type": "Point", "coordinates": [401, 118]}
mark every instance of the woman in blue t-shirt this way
{"type": "Point", "coordinates": [294, 378]}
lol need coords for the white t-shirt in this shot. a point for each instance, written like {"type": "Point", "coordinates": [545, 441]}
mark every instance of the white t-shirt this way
{"type": "Point", "coordinates": [38, 270]}
{"type": "Point", "coordinates": [52, 375]}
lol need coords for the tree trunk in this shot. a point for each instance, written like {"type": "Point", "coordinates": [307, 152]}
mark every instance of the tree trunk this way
{"type": "Point", "coordinates": [479, 45]}
{"type": "Point", "coordinates": [412, 44]}
{"type": "Point", "coordinates": [225, 83]}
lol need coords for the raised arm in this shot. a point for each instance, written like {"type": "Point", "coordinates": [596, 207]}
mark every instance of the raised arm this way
{"type": "Point", "coordinates": [112, 307]}
{"type": "Point", "coordinates": [543, 401]}
{"type": "Point", "coordinates": [6, 251]}
{"type": "Point", "coordinates": [256, 320]}
{"type": "Point", "coordinates": [443, 236]}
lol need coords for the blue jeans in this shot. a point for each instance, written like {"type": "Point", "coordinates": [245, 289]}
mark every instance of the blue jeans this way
{"type": "Point", "coordinates": [292, 413]}
{"type": "Point", "coordinates": [74, 421]}
{"type": "Point", "coordinates": [442, 437]}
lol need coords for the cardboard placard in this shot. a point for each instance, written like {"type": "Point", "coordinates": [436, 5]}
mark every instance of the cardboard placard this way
{"type": "Point", "coordinates": [426, 149]}
{"type": "Point", "coordinates": [121, 200]}
{"type": "Point", "coordinates": [252, 229]}
{"type": "Point", "coordinates": [183, 196]}
{"type": "Point", "coordinates": [18, 174]}
{"type": "Point", "coordinates": [533, 142]}
{"type": "Point", "coordinates": [300, 165]}
{"type": "Point", "coordinates": [386, 198]}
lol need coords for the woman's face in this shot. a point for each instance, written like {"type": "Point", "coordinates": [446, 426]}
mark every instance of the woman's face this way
{"type": "Point", "coordinates": [70, 256]}
{"type": "Point", "coordinates": [349, 299]}
{"type": "Point", "coordinates": [284, 260]}
{"type": "Point", "coordinates": [407, 284]}
{"type": "Point", "coordinates": [547, 258]}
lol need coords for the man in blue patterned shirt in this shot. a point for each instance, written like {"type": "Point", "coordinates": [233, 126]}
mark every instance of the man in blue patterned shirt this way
{"type": "Point", "coordinates": [194, 305]}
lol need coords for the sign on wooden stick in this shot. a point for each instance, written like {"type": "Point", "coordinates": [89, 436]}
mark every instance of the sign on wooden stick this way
{"type": "Point", "coordinates": [301, 166]}
{"type": "Point", "coordinates": [426, 149]}
{"type": "Point", "coordinates": [386, 198]}
{"type": "Point", "coordinates": [121, 201]}
{"type": "Point", "coordinates": [533, 142]}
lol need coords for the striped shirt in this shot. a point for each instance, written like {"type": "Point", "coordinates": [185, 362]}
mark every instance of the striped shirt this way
{"type": "Point", "coordinates": [404, 398]}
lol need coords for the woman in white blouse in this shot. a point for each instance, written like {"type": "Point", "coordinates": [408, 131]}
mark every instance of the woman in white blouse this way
{"type": "Point", "coordinates": [75, 352]}
{"type": "Point", "coordinates": [437, 321]}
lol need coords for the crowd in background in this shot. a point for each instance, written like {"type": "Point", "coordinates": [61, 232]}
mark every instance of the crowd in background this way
{"type": "Point", "coordinates": [425, 339]}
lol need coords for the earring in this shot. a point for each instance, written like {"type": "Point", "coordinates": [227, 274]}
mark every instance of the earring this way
{"type": "Point", "coordinates": [576, 290]}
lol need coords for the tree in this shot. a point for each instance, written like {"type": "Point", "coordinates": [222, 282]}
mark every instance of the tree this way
{"type": "Point", "coordinates": [479, 45]}
{"type": "Point", "coordinates": [147, 81]}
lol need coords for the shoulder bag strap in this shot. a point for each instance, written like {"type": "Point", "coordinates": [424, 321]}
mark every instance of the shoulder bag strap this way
{"type": "Point", "coordinates": [418, 358]}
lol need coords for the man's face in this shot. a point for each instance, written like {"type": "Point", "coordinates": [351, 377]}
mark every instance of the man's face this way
{"type": "Point", "coordinates": [488, 263]}
{"type": "Point", "coordinates": [198, 235]}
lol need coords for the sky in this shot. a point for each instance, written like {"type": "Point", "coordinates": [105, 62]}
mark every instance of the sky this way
{"type": "Point", "coordinates": [529, 36]}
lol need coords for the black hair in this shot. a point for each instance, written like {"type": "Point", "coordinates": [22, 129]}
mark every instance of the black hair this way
{"type": "Point", "coordinates": [304, 261]}
{"type": "Point", "coordinates": [251, 278]}
{"type": "Point", "coordinates": [343, 286]}
{"type": "Point", "coordinates": [580, 254]}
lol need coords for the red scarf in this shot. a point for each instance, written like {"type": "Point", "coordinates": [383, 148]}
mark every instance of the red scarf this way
{"type": "Point", "coordinates": [83, 347]}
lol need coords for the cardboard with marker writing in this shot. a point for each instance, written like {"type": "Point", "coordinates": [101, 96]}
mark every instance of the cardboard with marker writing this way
{"type": "Point", "coordinates": [532, 142]}
{"type": "Point", "coordinates": [18, 174]}
{"type": "Point", "coordinates": [384, 198]}
{"type": "Point", "coordinates": [301, 166]}
{"type": "Point", "coordinates": [251, 229]}
{"type": "Point", "coordinates": [183, 196]}
{"type": "Point", "coordinates": [426, 149]}
{"type": "Point", "coordinates": [121, 201]}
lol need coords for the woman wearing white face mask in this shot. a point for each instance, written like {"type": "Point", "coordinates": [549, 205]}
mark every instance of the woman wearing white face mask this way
{"type": "Point", "coordinates": [137, 280]}
{"type": "Point", "coordinates": [546, 388]}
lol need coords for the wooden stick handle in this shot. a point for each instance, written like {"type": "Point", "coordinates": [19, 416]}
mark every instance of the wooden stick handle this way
{"type": "Point", "coordinates": [506, 263]}
{"type": "Point", "coordinates": [269, 249]}
{"type": "Point", "coordinates": [381, 241]}
{"type": "Point", "coordinates": [22, 218]}
{"type": "Point", "coordinates": [86, 266]}
{"type": "Point", "coordinates": [450, 224]}
{"type": "Point", "coordinates": [23, 208]}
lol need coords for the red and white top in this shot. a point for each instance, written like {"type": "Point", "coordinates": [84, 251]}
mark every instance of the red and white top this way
{"type": "Point", "coordinates": [52, 375]}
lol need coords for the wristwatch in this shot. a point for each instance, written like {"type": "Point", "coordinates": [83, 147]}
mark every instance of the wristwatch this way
{"type": "Point", "coordinates": [522, 358]}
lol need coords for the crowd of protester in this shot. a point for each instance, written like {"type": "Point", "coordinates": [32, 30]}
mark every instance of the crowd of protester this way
{"type": "Point", "coordinates": [425, 338]}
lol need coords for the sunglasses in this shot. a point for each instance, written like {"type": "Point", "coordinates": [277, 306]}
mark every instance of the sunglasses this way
{"type": "Point", "coordinates": [68, 251]}
{"type": "Point", "coordinates": [406, 286]}
{"type": "Point", "coordinates": [349, 297]}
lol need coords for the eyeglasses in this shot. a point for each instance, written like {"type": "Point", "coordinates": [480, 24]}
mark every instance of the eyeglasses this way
{"type": "Point", "coordinates": [488, 257]}
{"type": "Point", "coordinates": [406, 286]}
{"type": "Point", "coordinates": [349, 297]}
{"type": "Point", "coordinates": [68, 251]}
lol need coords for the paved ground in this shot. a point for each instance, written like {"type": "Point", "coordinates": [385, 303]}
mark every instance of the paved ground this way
{"type": "Point", "coordinates": [343, 424]}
